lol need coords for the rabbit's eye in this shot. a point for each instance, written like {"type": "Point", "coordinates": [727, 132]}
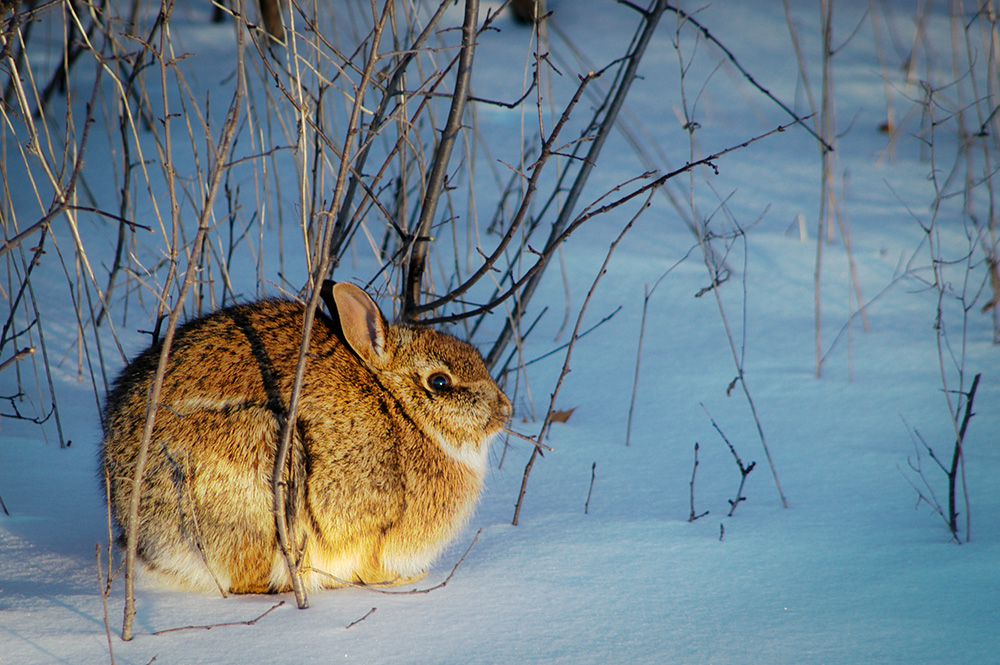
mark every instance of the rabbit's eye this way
{"type": "Point", "coordinates": [439, 381]}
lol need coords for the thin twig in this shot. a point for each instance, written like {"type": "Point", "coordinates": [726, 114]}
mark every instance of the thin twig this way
{"type": "Point", "coordinates": [694, 470]}
{"type": "Point", "coordinates": [738, 361]}
{"type": "Point", "coordinates": [736, 63]}
{"type": "Point", "coordinates": [391, 90]}
{"type": "Point", "coordinates": [957, 457]}
{"type": "Point", "coordinates": [409, 592]}
{"type": "Point", "coordinates": [638, 364]}
{"type": "Point", "coordinates": [285, 530]}
{"type": "Point", "coordinates": [648, 293]}
{"type": "Point", "coordinates": [537, 444]}
{"type": "Point", "coordinates": [214, 178]}
{"type": "Point", "coordinates": [584, 217]}
{"type": "Point", "coordinates": [27, 351]}
{"type": "Point", "coordinates": [744, 470]}
{"type": "Point", "coordinates": [546, 152]}
{"type": "Point", "coordinates": [562, 222]}
{"type": "Point", "coordinates": [436, 177]}
{"type": "Point", "coordinates": [187, 482]}
{"type": "Point", "coordinates": [104, 586]}
{"type": "Point", "coordinates": [220, 625]}
{"type": "Point", "coordinates": [930, 497]}
{"type": "Point", "coordinates": [569, 352]}
{"type": "Point", "coordinates": [582, 335]}
{"type": "Point", "coordinates": [593, 476]}
{"type": "Point", "coordinates": [357, 621]}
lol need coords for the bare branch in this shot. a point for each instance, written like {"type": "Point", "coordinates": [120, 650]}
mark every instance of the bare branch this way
{"type": "Point", "coordinates": [249, 622]}
{"type": "Point", "coordinates": [593, 477]}
{"type": "Point", "coordinates": [285, 531]}
{"type": "Point", "coordinates": [357, 621]}
{"type": "Point", "coordinates": [694, 470]}
{"type": "Point", "coordinates": [569, 353]}
{"type": "Point", "coordinates": [559, 226]}
{"type": "Point", "coordinates": [436, 178]}
{"type": "Point", "coordinates": [744, 470]}
{"type": "Point", "coordinates": [215, 176]}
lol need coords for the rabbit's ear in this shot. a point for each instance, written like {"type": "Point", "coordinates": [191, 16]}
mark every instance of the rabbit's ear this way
{"type": "Point", "coordinates": [360, 319]}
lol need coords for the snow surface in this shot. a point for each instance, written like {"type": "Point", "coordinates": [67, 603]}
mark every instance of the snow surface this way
{"type": "Point", "coordinates": [850, 572]}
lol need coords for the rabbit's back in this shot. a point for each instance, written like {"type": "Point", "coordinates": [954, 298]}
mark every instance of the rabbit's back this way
{"type": "Point", "coordinates": [240, 354]}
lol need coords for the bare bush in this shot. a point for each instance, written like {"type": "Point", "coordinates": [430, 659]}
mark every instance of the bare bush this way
{"type": "Point", "coordinates": [340, 145]}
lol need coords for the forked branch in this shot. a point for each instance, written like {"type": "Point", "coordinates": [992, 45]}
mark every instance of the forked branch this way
{"type": "Point", "coordinates": [565, 369]}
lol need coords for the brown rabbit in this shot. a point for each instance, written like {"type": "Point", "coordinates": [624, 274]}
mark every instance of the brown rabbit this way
{"type": "Point", "coordinates": [389, 452]}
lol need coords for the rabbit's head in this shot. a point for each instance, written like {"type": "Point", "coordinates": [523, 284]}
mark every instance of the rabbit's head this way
{"type": "Point", "coordinates": [441, 381]}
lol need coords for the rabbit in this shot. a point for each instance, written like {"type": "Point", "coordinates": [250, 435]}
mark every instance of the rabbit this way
{"type": "Point", "coordinates": [389, 453]}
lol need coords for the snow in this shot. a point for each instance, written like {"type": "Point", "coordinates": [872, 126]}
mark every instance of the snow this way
{"type": "Point", "coordinates": [854, 570]}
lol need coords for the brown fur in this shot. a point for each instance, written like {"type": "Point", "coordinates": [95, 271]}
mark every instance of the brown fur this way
{"type": "Point", "coordinates": [385, 468]}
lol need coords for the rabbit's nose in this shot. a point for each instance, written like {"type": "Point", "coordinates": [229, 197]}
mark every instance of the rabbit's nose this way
{"type": "Point", "coordinates": [504, 407]}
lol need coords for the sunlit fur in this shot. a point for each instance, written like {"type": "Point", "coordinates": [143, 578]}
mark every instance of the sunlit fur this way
{"type": "Point", "coordinates": [384, 470]}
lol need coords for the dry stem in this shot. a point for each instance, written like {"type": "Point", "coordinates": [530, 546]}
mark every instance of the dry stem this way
{"type": "Point", "coordinates": [285, 530]}
{"type": "Point", "coordinates": [249, 622]}
{"type": "Point", "coordinates": [694, 470]}
{"type": "Point", "coordinates": [590, 492]}
{"type": "Point", "coordinates": [357, 621]}
{"type": "Point", "coordinates": [220, 150]}
{"type": "Point", "coordinates": [569, 352]}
